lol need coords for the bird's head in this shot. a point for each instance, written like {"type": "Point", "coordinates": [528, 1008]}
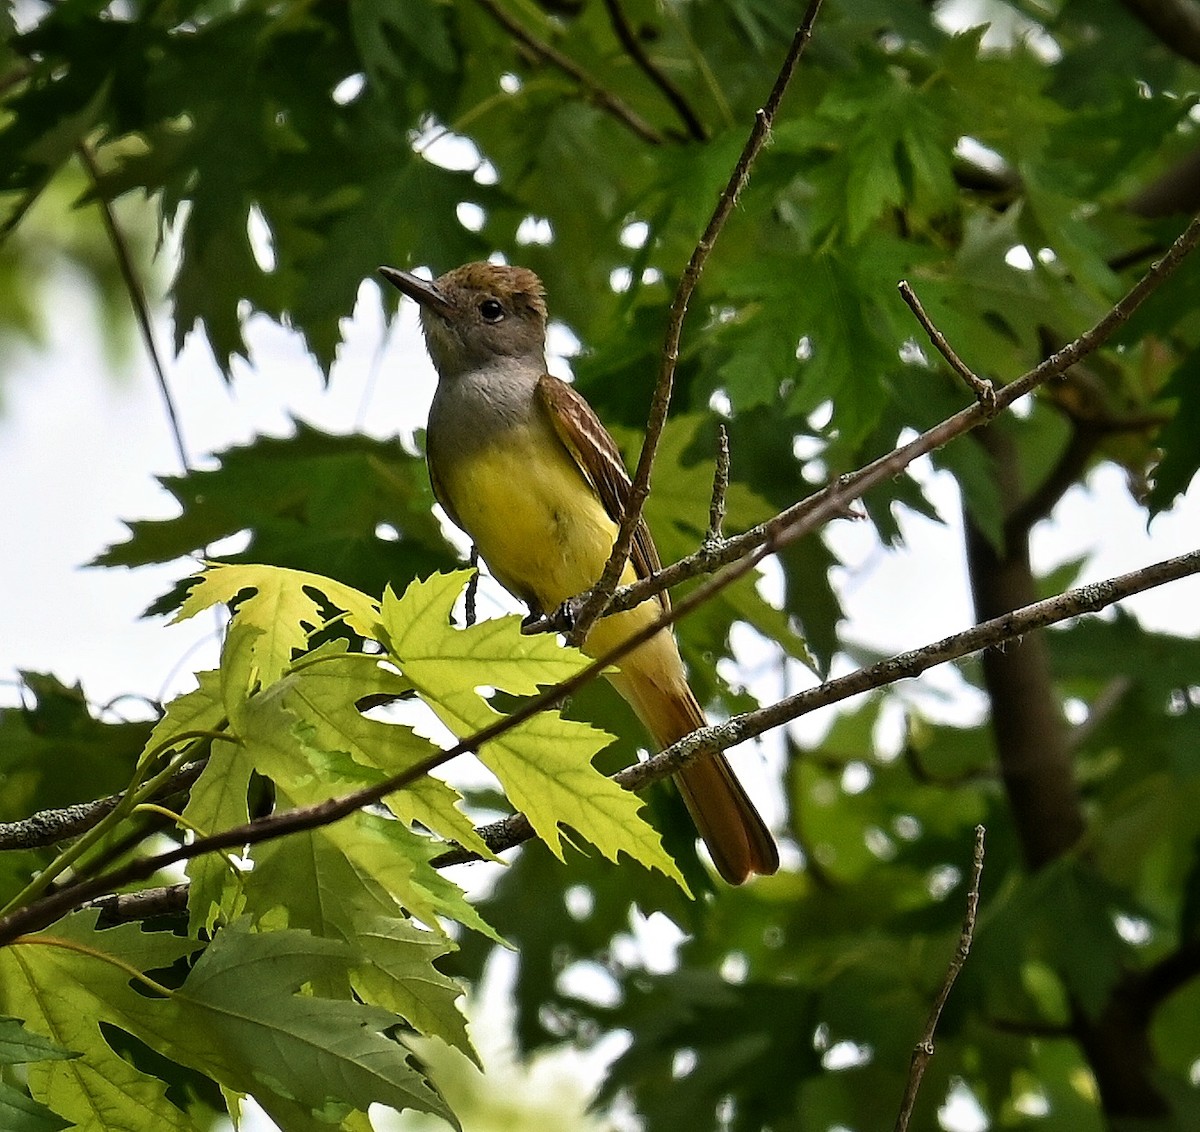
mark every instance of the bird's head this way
{"type": "Point", "coordinates": [478, 313]}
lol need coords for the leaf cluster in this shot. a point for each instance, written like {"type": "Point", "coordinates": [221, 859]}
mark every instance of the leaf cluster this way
{"type": "Point", "coordinates": [331, 935]}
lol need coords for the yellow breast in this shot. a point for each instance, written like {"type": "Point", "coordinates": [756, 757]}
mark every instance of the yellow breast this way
{"type": "Point", "coordinates": [534, 518]}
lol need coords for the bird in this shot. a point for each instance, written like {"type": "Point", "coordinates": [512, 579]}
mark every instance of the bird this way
{"type": "Point", "coordinates": [520, 462]}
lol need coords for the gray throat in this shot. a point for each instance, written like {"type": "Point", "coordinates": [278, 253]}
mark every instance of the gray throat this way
{"type": "Point", "coordinates": [471, 410]}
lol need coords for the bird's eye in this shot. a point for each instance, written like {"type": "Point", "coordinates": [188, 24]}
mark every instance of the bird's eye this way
{"type": "Point", "coordinates": [492, 310]}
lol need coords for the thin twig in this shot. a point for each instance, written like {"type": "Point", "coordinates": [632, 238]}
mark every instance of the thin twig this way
{"type": "Point", "coordinates": [597, 601]}
{"type": "Point", "coordinates": [637, 53]}
{"type": "Point", "coordinates": [983, 389]}
{"type": "Point", "coordinates": [923, 1051]}
{"type": "Point", "coordinates": [603, 97]}
{"type": "Point", "coordinates": [137, 299]}
{"type": "Point", "coordinates": [716, 508]}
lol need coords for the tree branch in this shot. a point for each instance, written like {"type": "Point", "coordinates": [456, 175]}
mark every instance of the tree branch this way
{"type": "Point", "coordinates": [720, 488]}
{"type": "Point", "coordinates": [923, 1051]}
{"type": "Point", "coordinates": [48, 827]}
{"type": "Point", "coordinates": [137, 299]}
{"type": "Point", "coordinates": [1170, 973]}
{"type": "Point", "coordinates": [637, 53]}
{"type": "Point", "coordinates": [603, 97]}
{"type": "Point", "coordinates": [145, 904]}
{"type": "Point", "coordinates": [1175, 22]}
{"type": "Point", "coordinates": [597, 601]}
{"type": "Point", "coordinates": [702, 743]}
{"type": "Point", "coordinates": [855, 484]}
{"type": "Point", "coordinates": [983, 390]}
{"type": "Point", "coordinates": [1070, 466]}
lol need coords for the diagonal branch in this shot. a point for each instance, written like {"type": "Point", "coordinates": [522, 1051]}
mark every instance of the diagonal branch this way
{"type": "Point", "coordinates": [700, 744]}
{"type": "Point", "coordinates": [637, 53]}
{"type": "Point", "coordinates": [987, 635]}
{"type": "Point", "coordinates": [855, 484]}
{"type": "Point", "coordinates": [923, 1051]}
{"type": "Point", "coordinates": [981, 387]}
{"type": "Point", "coordinates": [1175, 22]}
{"type": "Point", "coordinates": [601, 95]}
{"type": "Point", "coordinates": [598, 600]}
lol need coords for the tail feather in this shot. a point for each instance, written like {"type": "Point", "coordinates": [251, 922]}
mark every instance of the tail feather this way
{"type": "Point", "coordinates": [736, 835]}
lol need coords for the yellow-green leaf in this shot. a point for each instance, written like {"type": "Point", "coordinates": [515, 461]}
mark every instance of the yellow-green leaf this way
{"type": "Point", "coordinates": [545, 763]}
{"type": "Point", "coordinates": [284, 604]}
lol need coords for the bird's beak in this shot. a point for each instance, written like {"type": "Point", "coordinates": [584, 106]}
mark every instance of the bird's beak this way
{"type": "Point", "coordinates": [421, 291]}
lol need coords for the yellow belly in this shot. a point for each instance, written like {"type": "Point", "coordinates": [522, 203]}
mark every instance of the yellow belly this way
{"type": "Point", "coordinates": [535, 520]}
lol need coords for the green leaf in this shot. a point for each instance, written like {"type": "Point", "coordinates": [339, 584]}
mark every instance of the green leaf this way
{"type": "Point", "coordinates": [326, 693]}
{"type": "Point", "coordinates": [21, 1113]}
{"type": "Point", "coordinates": [64, 994]}
{"type": "Point", "coordinates": [545, 763]}
{"type": "Point", "coordinates": [282, 605]}
{"type": "Point", "coordinates": [1178, 438]}
{"type": "Point", "coordinates": [312, 501]}
{"type": "Point", "coordinates": [316, 1051]}
{"type": "Point", "coordinates": [57, 729]}
{"type": "Point", "coordinates": [398, 973]}
{"type": "Point", "coordinates": [18, 1046]}
{"type": "Point", "coordinates": [279, 745]}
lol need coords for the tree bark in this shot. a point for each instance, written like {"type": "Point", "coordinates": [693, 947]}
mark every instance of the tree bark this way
{"type": "Point", "coordinates": [1036, 767]}
{"type": "Point", "coordinates": [1027, 721]}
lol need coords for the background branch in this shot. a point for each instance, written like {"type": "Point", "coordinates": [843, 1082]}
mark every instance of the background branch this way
{"type": "Point", "coordinates": [137, 299]}
{"type": "Point", "coordinates": [598, 93]}
{"type": "Point", "coordinates": [1175, 22]}
{"type": "Point", "coordinates": [633, 45]}
{"type": "Point", "coordinates": [923, 1051]}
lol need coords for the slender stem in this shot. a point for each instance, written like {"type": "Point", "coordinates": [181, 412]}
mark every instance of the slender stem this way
{"type": "Point", "coordinates": [602, 96]}
{"type": "Point", "coordinates": [982, 388]}
{"type": "Point", "coordinates": [923, 1051]}
{"type": "Point", "coordinates": [137, 299]}
{"type": "Point", "coordinates": [95, 953]}
{"type": "Point", "coordinates": [629, 40]}
{"type": "Point", "coordinates": [601, 593]}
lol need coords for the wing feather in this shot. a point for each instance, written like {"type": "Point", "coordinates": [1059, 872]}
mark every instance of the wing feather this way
{"type": "Point", "coordinates": [596, 454]}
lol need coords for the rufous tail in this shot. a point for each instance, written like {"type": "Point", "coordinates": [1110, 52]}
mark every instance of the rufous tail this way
{"type": "Point", "coordinates": [736, 835]}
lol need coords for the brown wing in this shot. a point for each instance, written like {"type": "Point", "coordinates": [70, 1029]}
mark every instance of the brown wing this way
{"type": "Point", "coordinates": [596, 453]}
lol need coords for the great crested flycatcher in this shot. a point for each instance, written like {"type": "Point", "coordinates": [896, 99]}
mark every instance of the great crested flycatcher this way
{"type": "Point", "coordinates": [520, 462]}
